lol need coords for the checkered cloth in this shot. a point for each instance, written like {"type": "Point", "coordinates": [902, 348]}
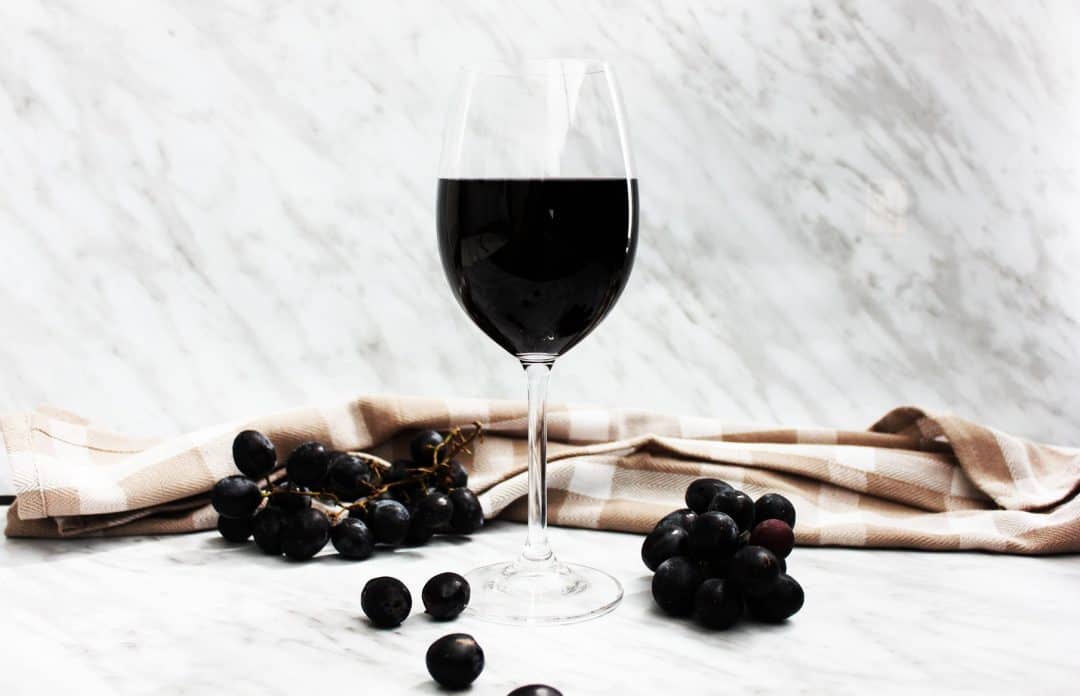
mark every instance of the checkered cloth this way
{"type": "Point", "coordinates": [913, 480]}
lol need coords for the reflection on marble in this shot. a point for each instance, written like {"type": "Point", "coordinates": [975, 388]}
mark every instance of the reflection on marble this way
{"type": "Point", "coordinates": [192, 613]}
{"type": "Point", "coordinates": [214, 209]}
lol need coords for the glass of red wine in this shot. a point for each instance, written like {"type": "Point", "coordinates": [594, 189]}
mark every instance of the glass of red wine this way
{"type": "Point", "coordinates": [537, 224]}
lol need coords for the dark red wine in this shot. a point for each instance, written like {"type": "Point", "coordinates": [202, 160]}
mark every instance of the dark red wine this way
{"type": "Point", "coordinates": [537, 263]}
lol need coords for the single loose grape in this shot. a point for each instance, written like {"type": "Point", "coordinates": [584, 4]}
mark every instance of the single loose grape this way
{"type": "Point", "coordinates": [386, 601]}
{"type": "Point", "coordinates": [535, 690]}
{"type": "Point", "coordinates": [445, 596]}
{"type": "Point", "coordinates": [455, 660]}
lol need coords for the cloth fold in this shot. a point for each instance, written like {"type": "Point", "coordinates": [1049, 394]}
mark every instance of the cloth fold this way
{"type": "Point", "coordinates": [913, 480]}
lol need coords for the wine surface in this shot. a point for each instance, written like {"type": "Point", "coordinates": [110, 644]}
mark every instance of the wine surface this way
{"type": "Point", "coordinates": [537, 263]}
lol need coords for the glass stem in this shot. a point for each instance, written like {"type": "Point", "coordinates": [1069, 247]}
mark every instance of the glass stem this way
{"type": "Point", "coordinates": [536, 544]}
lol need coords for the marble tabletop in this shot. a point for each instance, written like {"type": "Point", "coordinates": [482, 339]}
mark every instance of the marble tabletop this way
{"type": "Point", "coordinates": [192, 614]}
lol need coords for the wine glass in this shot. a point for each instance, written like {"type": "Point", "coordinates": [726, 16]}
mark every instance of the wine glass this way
{"type": "Point", "coordinates": [537, 225]}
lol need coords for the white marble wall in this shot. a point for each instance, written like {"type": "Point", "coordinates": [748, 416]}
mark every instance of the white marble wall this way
{"type": "Point", "coordinates": [213, 209]}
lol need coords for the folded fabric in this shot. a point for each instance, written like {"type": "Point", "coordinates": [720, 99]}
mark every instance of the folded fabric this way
{"type": "Point", "coordinates": [913, 480]}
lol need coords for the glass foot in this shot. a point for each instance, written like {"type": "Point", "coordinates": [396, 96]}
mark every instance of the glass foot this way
{"type": "Point", "coordinates": [541, 592]}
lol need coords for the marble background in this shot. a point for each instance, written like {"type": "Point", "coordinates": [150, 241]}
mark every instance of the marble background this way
{"type": "Point", "coordinates": [209, 210]}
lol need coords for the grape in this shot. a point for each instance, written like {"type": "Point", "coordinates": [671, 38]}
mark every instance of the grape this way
{"type": "Point", "coordinates": [308, 464]}
{"type": "Point", "coordinates": [736, 504]}
{"type": "Point", "coordinates": [235, 496]}
{"type": "Point", "coordinates": [535, 690]}
{"type": "Point", "coordinates": [353, 539]}
{"type": "Point", "coordinates": [409, 493]}
{"type": "Point", "coordinates": [289, 501]}
{"type": "Point", "coordinates": [783, 600]}
{"type": "Point", "coordinates": [422, 447]}
{"type": "Point", "coordinates": [389, 521]}
{"type": "Point", "coordinates": [419, 533]}
{"type": "Point", "coordinates": [304, 533]}
{"type": "Point", "coordinates": [718, 603]}
{"type": "Point", "coordinates": [755, 569]}
{"type": "Point", "coordinates": [350, 477]}
{"type": "Point", "coordinates": [773, 506]}
{"type": "Point", "coordinates": [775, 535]}
{"type": "Point", "coordinates": [674, 584]}
{"type": "Point", "coordinates": [267, 530]}
{"type": "Point", "coordinates": [445, 596]}
{"type": "Point", "coordinates": [663, 543]}
{"type": "Point", "coordinates": [254, 454]}
{"type": "Point", "coordinates": [701, 492]}
{"type": "Point", "coordinates": [468, 513]}
{"type": "Point", "coordinates": [434, 510]}
{"type": "Point", "coordinates": [235, 529]}
{"type": "Point", "coordinates": [386, 601]}
{"type": "Point", "coordinates": [680, 518]}
{"type": "Point", "coordinates": [713, 535]}
{"type": "Point", "coordinates": [399, 471]}
{"type": "Point", "coordinates": [455, 660]}
{"type": "Point", "coordinates": [455, 477]}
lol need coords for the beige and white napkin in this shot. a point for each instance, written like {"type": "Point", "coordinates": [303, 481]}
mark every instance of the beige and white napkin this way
{"type": "Point", "coordinates": [913, 480]}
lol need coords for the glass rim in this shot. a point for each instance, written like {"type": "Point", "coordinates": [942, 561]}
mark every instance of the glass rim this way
{"type": "Point", "coordinates": [527, 67]}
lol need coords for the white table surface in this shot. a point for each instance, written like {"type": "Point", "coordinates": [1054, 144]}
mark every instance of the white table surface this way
{"type": "Point", "coordinates": [191, 614]}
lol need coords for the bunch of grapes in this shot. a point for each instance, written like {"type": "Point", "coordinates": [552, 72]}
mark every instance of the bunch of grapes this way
{"type": "Point", "coordinates": [723, 555]}
{"type": "Point", "coordinates": [352, 499]}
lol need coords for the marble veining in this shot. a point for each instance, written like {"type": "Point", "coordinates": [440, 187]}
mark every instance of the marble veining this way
{"type": "Point", "coordinates": [209, 210]}
{"type": "Point", "coordinates": [192, 614]}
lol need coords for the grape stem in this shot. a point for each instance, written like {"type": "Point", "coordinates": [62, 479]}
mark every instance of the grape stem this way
{"type": "Point", "coordinates": [442, 455]}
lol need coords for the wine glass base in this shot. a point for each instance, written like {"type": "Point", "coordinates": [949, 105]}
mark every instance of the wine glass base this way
{"type": "Point", "coordinates": [541, 592]}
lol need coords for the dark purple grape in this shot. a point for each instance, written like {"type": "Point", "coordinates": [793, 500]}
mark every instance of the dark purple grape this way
{"type": "Point", "coordinates": [455, 661]}
{"type": "Point", "coordinates": [422, 447]}
{"type": "Point", "coordinates": [235, 529]}
{"type": "Point", "coordinates": [350, 477]}
{"type": "Point", "coordinates": [289, 501]}
{"type": "Point", "coordinates": [535, 690]}
{"type": "Point", "coordinates": [718, 603]}
{"type": "Point", "coordinates": [304, 533]}
{"type": "Point", "coordinates": [737, 505]}
{"type": "Point", "coordinates": [445, 596]}
{"type": "Point", "coordinates": [755, 569]}
{"type": "Point", "coordinates": [254, 454]}
{"type": "Point", "coordinates": [468, 514]}
{"type": "Point", "coordinates": [389, 521]}
{"type": "Point", "coordinates": [783, 600]}
{"type": "Point", "coordinates": [680, 518]}
{"type": "Point", "coordinates": [454, 477]}
{"type": "Point", "coordinates": [399, 470]}
{"type": "Point", "coordinates": [267, 530]}
{"type": "Point", "coordinates": [434, 510]}
{"type": "Point", "coordinates": [235, 496]}
{"type": "Point", "coordinates": [701, 492]}
{"type": "Point", "coordinates": [409, 494]}
{"type": "Point", "coordinates": [308, 464]}
{"type": "Point", "coordinates": [352, 539]}
{"type": "Point", "coordinates": [662, 543]}
{"type": "Point", "coordinates": [419, 533]}
{"type": "Point", "coordinates": [674, 584]}
{"type": "Point", "coordinates": [713, 535]}
{"type": "Point", "coordinates": [386, 601]}
{"type": "Point", "coordinates": [773, 506]}
{"type": "Point", "coordinates": [775, 535]}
